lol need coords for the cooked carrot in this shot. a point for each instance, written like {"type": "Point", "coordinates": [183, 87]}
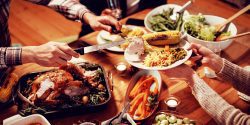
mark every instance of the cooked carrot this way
{"type": "Point", "coordinates": [139, 110]}
{"type": "Point", "coordinates": [134, 103]}
{"type": "Point", "coordinates": [137, 86]}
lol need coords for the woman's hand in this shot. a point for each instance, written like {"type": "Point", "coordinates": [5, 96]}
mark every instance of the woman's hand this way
{"type": "Point", "coordinates": [49, 54]}
{"type": "Point", "coordinates": [101, 22]}
{"type": "Point", "coordinates": [207, 57]}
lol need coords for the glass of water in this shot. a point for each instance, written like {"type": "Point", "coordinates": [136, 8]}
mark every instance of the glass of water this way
{"type": "Point", "coordinates": [115, 7]}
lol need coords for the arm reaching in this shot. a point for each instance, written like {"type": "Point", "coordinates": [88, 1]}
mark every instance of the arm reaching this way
{"type": "Point", "coordinates": [221, 111]}
{"type": "Point", "coordinates": [239, 77]}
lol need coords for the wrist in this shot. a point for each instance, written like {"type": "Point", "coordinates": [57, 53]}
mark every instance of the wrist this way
{"type": "Point", "coordinates": [217, 64]}
{"type": "Point", "coordinates": [28, 54]}
{"type": "Point", "coordinates": [88, 16]}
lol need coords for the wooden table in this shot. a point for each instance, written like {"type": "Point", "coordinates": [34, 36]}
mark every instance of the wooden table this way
{"type": "Point", "coordinates": [238, 52]}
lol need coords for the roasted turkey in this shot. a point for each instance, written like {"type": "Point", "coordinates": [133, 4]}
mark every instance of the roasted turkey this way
{"type": "Point", "coordinates": [68, 80]}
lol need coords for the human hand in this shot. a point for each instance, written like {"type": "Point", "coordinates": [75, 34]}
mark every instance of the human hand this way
{"type": "Point", "coordinates": [49, 54]}
{"type": "Point", "coordinates": [107, 12]}
{"type": "Point", "coordinates": [208, 57]}
{"type": "Point", "coordinates": [102, 22]}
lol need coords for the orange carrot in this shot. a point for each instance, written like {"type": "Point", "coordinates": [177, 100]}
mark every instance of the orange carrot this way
{"type": "Point", "coordinates": [134, 105]}
{"type": "Point", "coordinates": [136, 87]}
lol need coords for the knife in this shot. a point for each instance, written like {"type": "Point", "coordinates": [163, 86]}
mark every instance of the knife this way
{"type": "Point", "coordinates": [88, 49]}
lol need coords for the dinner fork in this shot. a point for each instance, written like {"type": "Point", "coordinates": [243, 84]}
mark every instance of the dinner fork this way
{"type": "Point", "coordinates": [119, 119]}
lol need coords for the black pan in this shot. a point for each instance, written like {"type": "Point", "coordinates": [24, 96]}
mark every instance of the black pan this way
{"type": "Point", "coordinates": [25, 108]}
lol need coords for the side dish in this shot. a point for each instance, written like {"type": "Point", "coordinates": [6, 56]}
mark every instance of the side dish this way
{"type": "Point", "coordinates": [197, 26]}
{"type": "Point", "coordinates": [163, 22]}
{"type": "Point", "coordinates": [144, 97]}
{"type": "Point", "coordinates": [168, 119]}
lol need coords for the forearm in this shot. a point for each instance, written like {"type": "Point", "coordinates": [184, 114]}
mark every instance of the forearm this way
{"type": "Point", "coordinates": [10, 56]}
{"type": "Point", "coordinates": [216, 106]}
{"type": "Point", "coordinates": [239, 77]}
{"type": "Point", "coordinates": [71, 9]}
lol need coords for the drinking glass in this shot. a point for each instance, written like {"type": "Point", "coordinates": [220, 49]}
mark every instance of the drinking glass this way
{"type": "Point", "coordinates": [115, 7]}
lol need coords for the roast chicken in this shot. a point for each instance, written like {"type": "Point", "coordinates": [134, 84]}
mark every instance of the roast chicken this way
{"type": "Point", "coordinates": [67, 80]}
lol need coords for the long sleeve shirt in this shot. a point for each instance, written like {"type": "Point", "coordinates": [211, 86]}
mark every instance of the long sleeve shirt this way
{"type": "Point", "coordinates": [221, 111]}
{"type": "Point", "coordinates": [10, 56]}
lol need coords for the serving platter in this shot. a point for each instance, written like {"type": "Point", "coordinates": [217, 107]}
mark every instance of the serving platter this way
{"type": "Point", "coordinates": [25, 108]}
{"type": "Point", "coordinates": [139, 64]}
{"type": "Point", "coordinates": [133, 82]}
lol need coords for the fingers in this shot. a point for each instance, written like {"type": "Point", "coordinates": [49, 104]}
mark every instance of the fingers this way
{"type": "Point", "coordinates": [67, 52]}
{"type": "Point", "coordinates": [111, 21]}
{"type": "Point", "coordinates": [60, 61]}
{"type": "Point", "coordinates": [104, 27]}
{"type": "Point", "coordinates": [194, 46]}
{"type": "Point", "coordinates": [106, 12]}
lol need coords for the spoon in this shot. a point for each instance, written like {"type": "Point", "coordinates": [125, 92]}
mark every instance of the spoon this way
{"type": "Point", "coordinates": [174, 15]}
{"type": "Point", "coordinates": [220, 26]}
{"type": "Point", "coordinates": [236, 36]}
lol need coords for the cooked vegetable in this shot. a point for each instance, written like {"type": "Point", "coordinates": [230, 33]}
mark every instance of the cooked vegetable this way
{"type": "Point", "coordinates": [163, 22]}
{"type": "Point", "coordinates": [162, 38]}
{"type": "Point", "coordinates": [197, 27]}
{"type": "Point", "coordinates": [143, 100]}
{"type": "Point", "coordinates": [85, 99]}
{"type": "Point", "coordinates": [164, 119]}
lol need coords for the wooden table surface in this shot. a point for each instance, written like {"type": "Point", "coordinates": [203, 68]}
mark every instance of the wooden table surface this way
{"type": "Point", "coordinates": [238, 52]}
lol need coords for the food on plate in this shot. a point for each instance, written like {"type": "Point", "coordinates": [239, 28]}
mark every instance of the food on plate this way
{"type": "Point", "coordinates": [167, 119]}
{"type": "Point", "coordinates": [162, 38]}
{"type": "Point", "coordinates": [69, 85]}
{"type": "Point", "coordinates": [163, 22]}
{"type": "Point", "coordinates": [197, 26]}
{"type": "Point", "coordinates": [7, 86]}
{"type": "Point", "coordinates": [144, 97]}
{"type": "Point", "coordinates": [109, 37]}
{"type": "Point", "coordinates": [164, 57]}
{"type": "Point", "coordinates": [126, 31]}
{"type": "Point", "coordinates": [136, 48]}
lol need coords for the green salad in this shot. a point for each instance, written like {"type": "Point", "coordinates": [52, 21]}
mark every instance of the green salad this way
{"type": "Point", "coordinates": [197, 27]}
{"type": "Point", "coordinates": [163, 22]}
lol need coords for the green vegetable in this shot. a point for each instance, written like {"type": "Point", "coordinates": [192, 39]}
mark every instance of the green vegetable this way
{"type": "Point", "coordinates": [172, 119]}
{"type": "Point", "coordinates": [197, 27]}
{"type": "Point", "coordinates": [186, 120]}
{"type": "Point", "coordinates": [163, 22]}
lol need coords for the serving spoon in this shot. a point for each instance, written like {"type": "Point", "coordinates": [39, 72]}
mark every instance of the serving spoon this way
{"type": "Point", "coordinates": [236, 36]}
{"type": "Point", "coordinates": [174, 15]}
{"type": "Point", "coordinates": [220, 26]}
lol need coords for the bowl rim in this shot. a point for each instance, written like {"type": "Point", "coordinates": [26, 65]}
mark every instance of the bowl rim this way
{"type": "Point", "coordinates": [149, 14]}
{"type": "Point", "coordinates": [206, 41]}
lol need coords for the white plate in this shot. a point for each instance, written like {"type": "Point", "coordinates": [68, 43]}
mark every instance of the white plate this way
{"type": "Point", "coordinates": [19, 120]}
{"type": "Point", "coordinates": [139, 64]}
{"type": "Point", "coordinates": [100, 40]}
{"type": "Point", "coordinates": [158, 10]}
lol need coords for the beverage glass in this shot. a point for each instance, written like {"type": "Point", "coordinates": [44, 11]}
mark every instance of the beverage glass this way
{"type": "Point", "coordinates": [115, 7]}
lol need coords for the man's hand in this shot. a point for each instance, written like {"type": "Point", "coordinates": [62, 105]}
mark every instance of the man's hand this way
{"type": "Point", "coordinates": [101, 22]}
{"type": "Point", "coordinates": [209, 58]}
{"type": "Point", "coordinates": [49, 54]}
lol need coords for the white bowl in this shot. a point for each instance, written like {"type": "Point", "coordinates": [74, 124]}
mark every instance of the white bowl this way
{"type": "Point", "coordinates": [212, 45]}
{"type": "Point", "coordinates": [31, 119]}
{"type": "Point", "coordinates": [158, 10]}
